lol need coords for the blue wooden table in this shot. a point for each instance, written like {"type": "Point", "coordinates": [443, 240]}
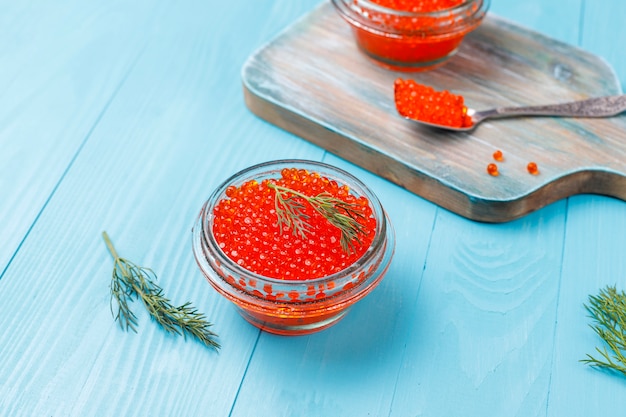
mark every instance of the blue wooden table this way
{"type": "Point", "coordinates": [124, 116]}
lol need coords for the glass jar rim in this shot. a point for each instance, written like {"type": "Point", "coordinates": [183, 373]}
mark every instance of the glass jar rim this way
{"type": "Point", "coordinates": [453, 19]}
{"type": "Point", "coordinates": [265, 168]}
{"type": "Point", "coordinates": [465, 4]}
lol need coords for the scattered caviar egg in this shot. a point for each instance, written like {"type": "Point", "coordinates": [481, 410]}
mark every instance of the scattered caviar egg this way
{"type": "Point", "coordinates": [425, 104]}
{"type": "Point", "coordinates": [498, 156]}
{"type": "Point", "coordinates": [492, 169]}
{"type": "Point", "coordinates": [532, 168]}
{"type": "Point", "coordinates": [273, 228]}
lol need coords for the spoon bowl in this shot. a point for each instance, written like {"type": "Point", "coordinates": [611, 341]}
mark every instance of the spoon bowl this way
{"type": "Point", "coordinates": [594, 107]}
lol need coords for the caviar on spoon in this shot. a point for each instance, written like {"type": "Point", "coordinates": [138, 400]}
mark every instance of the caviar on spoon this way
{"type": "Point", "coordinates": [444, 110]}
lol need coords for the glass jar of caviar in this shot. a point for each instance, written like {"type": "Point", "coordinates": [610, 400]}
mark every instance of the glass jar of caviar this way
{"type": "Point", "coordinates": [411, 35]}
{"type": "Point", "coordinates": [283, 278]}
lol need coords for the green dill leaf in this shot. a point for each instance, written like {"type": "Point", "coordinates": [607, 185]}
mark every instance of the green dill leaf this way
{"type": "Point", "coordinates": [608, 313]}
{"type": "Point", "coordinates": [130, 281]}
{"type": "Point", "coordinates": [340, 214]}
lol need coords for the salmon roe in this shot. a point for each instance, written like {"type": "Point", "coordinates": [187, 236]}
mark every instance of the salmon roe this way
{"type": "Point", "coordinates": [421, 21]}
{"type": "Point", "coordinates": [423, 103]}
{"type": "Point", "coordinates": [246, 228]}
{"type": "Point", "coordinates": [492, 169]}
{"type": "Point", "coordinates": [411, 35]}
{"type": "Point", "coordinates": [418, 6]}
{"type": "Point", "coordinates": [532, 168]}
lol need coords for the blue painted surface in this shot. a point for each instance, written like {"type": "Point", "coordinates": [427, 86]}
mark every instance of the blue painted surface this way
{"type": "Point", "coordinates": [125, 115]}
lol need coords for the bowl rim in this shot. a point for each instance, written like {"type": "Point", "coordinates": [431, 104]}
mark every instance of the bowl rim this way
{"type": "Point", "coordinates": [465, 4]}
{"type": "Point", "coordinates": [451, 20]}
{"type": "Point", "coordinates": [382, 221]}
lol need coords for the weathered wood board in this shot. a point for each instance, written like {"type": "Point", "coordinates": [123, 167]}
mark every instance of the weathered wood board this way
{"type": "Point", "coordinates": [314, 82]}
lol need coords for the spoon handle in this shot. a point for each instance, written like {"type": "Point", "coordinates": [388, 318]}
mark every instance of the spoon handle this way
{"type": "Point", "coordinates": [593, 107]}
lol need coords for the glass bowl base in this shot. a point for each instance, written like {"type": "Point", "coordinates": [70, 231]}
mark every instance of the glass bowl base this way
{"type": "Point", "coordinates": [292, 326]}
{"type": "Point", "coordinates": [403, 66]}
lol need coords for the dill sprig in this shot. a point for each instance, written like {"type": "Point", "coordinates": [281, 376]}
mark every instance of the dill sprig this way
{"type": "Point", "coordinates": [608, 311]}
{"type": "Point", "coordinates": [130, 281]}
{"type": "Point", "coordinates": [341, 214]}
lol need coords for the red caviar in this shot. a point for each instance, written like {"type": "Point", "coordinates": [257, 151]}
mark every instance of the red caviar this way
{"type": "Point", "coordinates": [418, 6]}
{"type": "Point", "coordinates": [246, 228]}
{"type": "Point", "coordinates": [498, 156]}
{"type": "Point", "coordinates": [411, 34]}
{"type": "Point", "coordinates": [243, 209]}
{"type": "Point", "coordinates": [423, 103]}
{"type": "Point", "coordinates": [492, 169]}
{"type": "Point", "coordinates": [532, 168]}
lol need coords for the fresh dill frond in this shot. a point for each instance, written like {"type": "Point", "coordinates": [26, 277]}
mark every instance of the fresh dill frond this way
{"type": "Point", "coordinates": [339, 213]}
{"type": "Point", "coordinates": [608, 312]}
{"type": "Point", "coordinates": [130, 281]}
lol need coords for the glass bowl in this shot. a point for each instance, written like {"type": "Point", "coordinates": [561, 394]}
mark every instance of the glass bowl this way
{"type": "Point", "coordinates": [410, 41]}
{"type": "Point", "coordinates": [292, 306]}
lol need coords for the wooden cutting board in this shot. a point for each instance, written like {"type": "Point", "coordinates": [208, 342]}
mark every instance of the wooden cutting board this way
{"type": "Point", "coordinates": [313, 81]}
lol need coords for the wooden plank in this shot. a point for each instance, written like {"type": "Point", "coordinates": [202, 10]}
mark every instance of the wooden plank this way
{"type": "Point", "coordinates": [313, 81]}
{"type": "Point", "coordinates": [601, 33]}
{"type": "Point", "coordinates": [61, 65]}
{"type": "Point", "coordinates": [593, 257]}
{"type": "Point", "coordinates": [556, 19]}
{"type": "Point", "coordinates": [349, 369]}
{"type": "Point", "coordinates": [176, 128]}
{"type": "Point", "coordinates": [470, 335]}
{"type": "Point", "coordinates": [480, 338]}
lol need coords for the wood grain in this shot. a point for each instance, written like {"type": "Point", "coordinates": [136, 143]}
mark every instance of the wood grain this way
{"type": "Point", "coordinates": [371, 341]}
{"type": "Point", "coordinates": [146, 165]}
{"type": "Point", "coordinates": [313, 81]}
{"type": "Point", "coordinates": [485, 316]}
{"type": "Point", "coordinates": [593, 257]}
{"type": "Point", "coordinates": [52, 94]}
{"type": "Point", "coordinates": [124, 117]}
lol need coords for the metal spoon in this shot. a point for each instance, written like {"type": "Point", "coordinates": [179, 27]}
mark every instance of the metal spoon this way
{"type": "Point", "coordinates": [593, 107]}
